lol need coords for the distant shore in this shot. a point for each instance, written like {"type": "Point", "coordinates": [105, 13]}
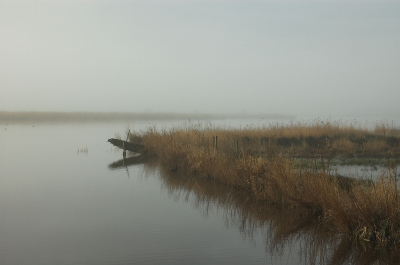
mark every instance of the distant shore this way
{"type": "Point", "coordinates": [8, 117]}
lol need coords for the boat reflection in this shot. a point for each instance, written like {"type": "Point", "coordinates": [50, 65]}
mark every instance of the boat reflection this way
{"type": "Point", "coordinates": [126, 161]}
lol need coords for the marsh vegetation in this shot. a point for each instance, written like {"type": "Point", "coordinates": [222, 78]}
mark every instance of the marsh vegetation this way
{"type": "Point", "coordinates": [138, 210]}
{"type": "Point", "coordinates": [289, 165]}
{"type": "Point", "coordinates": [283, 227]}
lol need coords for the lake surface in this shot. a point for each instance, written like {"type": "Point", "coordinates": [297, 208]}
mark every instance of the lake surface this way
{"type": "Point", "coordinates": [68, 197]}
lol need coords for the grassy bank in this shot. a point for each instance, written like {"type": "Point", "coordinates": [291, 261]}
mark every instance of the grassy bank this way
{"type": "Point", "coordinates": [265, 162]}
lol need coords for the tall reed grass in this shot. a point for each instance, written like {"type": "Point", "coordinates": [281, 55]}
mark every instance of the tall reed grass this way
{"type": "Point", "coordinates": [282, 227]}
{"type": "Point", "coordinates": [265, 163]}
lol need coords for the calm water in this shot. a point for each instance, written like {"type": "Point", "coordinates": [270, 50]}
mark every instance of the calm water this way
{"type": "Point", "coordinates": [66, 197]}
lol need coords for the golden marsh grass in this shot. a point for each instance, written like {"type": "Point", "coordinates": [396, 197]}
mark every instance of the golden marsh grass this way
{"type": "Point", "coordinates": [265, 162]}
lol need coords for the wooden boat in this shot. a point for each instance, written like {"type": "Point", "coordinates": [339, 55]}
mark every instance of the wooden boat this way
{"type": "Point", "coordinates": [137, 148]}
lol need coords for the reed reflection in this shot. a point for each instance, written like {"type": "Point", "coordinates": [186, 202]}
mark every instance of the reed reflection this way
{"type": "Point", "coordinates": [283, 228]}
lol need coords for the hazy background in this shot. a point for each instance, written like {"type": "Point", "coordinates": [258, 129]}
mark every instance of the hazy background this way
{"type": "Point", "coordinates": [286, 57]}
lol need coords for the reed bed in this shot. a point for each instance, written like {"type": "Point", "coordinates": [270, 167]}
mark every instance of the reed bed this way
{"type": "Point", "coordinates": [265, 162]}
{"type": "Point", "coordinates": [282, 226]}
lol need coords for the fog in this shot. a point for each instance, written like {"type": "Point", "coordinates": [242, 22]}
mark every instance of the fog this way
{"type": "Point", "coordinates": [285, 57]}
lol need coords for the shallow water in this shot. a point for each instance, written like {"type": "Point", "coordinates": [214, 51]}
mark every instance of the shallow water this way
{"type": "Point", "coordinates": [369, 172]}
{"type": "Point", "coordinates": [61, 204]}
{"type": "Point", "coordinates": [66, 197]}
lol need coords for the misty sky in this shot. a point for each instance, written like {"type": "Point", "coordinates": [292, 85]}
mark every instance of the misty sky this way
{"type": "Point", "coordinates": [286, 57]}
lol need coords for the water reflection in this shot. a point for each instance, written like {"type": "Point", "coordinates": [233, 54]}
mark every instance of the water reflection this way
{"type": "Point", "coordinates": [369, 172]}
{"type": "Point", "coordinates": [283, 228]}
{"type": "Point", "coordinates": [125, 162]}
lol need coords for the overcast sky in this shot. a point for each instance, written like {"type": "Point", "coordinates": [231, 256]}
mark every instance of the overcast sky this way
{"type": "Point", "coordinates": [286, 57]}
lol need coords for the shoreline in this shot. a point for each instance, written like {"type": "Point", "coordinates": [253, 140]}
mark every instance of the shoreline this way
{"type": "Point", "coordinates": [10, 117]}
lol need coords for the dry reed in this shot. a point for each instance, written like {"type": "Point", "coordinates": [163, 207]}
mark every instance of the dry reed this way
{"type": "Point", "coordinates": [264, 162]}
